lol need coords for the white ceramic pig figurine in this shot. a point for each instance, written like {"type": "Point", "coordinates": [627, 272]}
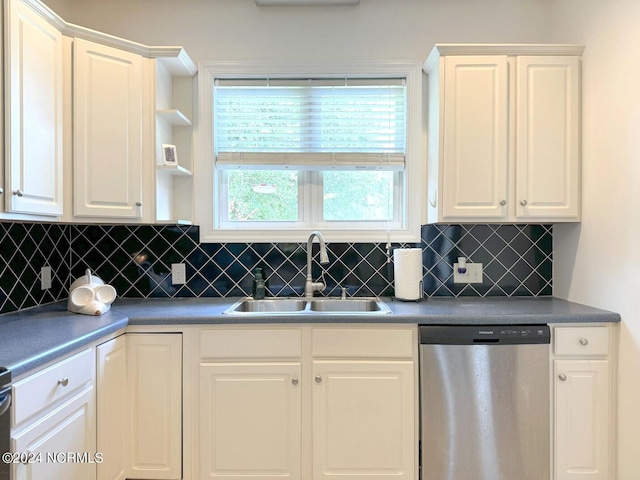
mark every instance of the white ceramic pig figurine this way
{"type": "Point", "coordinates": [90, 296]}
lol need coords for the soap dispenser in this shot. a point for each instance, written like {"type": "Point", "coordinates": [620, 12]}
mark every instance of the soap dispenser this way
{"type": "Point", "coordinates": [258, 284]}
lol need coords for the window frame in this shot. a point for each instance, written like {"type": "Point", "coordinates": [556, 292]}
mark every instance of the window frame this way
{"type": "Point", "coordinates": [413, 196]}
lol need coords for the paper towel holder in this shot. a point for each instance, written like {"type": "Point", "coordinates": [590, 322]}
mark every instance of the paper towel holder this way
{"type": "Point", "coordinates": [414, 300]}
{"type": "Point", "coordinates": [408, 274]}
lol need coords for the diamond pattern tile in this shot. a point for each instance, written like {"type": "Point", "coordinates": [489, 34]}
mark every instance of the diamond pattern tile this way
{"type": "Point", "coordinates": [136, 260]}
{"type": "Point", "coordinates": [24, 249]}
{"type": "Point", "coordinates": [517, 259]}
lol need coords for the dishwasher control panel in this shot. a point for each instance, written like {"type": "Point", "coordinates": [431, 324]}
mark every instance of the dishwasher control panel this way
{"type": "Point", "coordinates": [484, 334]}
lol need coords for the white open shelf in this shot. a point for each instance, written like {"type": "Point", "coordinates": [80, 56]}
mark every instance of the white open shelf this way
{"type": "Point", "coordinates": [174, 117]}
{"type": "Point", "coordinates": [174, 222]}
{"type": "Point", "coordinates": [174, 85]}
{"type": "Point", "coordinates": [175, 170]}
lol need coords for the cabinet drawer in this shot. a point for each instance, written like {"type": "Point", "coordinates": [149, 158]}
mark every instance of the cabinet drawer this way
{"type": "Point", "coordinates": [581, 341]}
{"type": "Point", "coordinates": [250, 343]}
{"type": "Point", "coordinates": [42, 389]}
{"type": "Point", "coordinates": [363, 342]}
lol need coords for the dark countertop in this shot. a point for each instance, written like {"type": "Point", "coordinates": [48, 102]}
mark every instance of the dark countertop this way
{"type": "Point", "coordinates": [35, 336]}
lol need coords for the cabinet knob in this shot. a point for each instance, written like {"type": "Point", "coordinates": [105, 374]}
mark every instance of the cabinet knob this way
{"type": "Point", "coordinates": [138, 204]}
{"type": "Point", "coordinates": [503, 202]}
{"type": "Point", "coordinates": [1, 190]}
{"type": "Point", "coordinates": [64, 382]}
{"type": "Point", "coordinates": [18, 193]}
{"type": "Point", "coordinates": [523, 203]}
{"type": "Point", "coordinates": [294, 380]}
{"type": "Point", "coordinates": [562, 377]}
{"type": "Point", "coordinates": [318, 379]}
{"type": "Point", "coordinates": [584, 341]}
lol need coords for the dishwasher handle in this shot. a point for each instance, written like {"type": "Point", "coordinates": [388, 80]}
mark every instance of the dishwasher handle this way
{"type": "Point", "coordinates": [484, 334]}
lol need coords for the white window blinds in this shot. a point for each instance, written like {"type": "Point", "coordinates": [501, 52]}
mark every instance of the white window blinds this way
{"type": "Point", "coordinates": [327, 124]}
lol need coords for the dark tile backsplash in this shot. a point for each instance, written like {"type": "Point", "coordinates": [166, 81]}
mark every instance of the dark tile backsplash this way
{"type": "Point", "coordinates": [517, 260]}
{"type": "Point", "coordinates": [24, 249]}
{"type": "Point", "coordinates": [136, 260]}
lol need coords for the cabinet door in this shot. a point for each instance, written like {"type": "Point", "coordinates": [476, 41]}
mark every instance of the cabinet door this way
{"type": "Point", "coordinates": [34, 113]}
{"type": "Point", "coordinates": [363, 420]}
{"type": "Point", "coordinates": [108, 103]}
{"type": "Point", "coordinates": [250, 425]}
{"type": "Point", "coordinates": [62, 443]}
{"type": "Point", "coordinates": [582, 424]}
{"type": "Point", "coordinates": [548, 137]}
{"type": "Point", "coordinates": [111, 406]}
{"type": "Point", "coordinates": [475, 141]}
{"type": "Point", "coordinates": [154, 383]}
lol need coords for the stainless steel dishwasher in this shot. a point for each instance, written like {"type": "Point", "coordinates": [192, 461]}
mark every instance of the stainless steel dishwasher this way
{"type": "Point", "coordinates": [484, 402]}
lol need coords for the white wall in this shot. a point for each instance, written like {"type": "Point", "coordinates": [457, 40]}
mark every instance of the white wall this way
{"type": "Point", "coordinates": [239, 30]}
{"type": "Point", "coordinates": [596, 262]}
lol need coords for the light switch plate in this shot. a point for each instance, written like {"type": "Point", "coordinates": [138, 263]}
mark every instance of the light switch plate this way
{"type": "Point", "coordinates": [472, 275]}
{"type": "Point", "coordinates": [45, 278]}
{"type": "Point", "coordinates": [178, 274]}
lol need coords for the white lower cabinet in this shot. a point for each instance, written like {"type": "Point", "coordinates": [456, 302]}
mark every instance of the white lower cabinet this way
{"type": "Point", "coordinates": [111, 406]}
{"type": "Point", "coordinates": [140, 407]}
{"type": "Point", "coordinates": [364, 402]}
{"type": "Point", "coordinates": [61, 444]}
{"type": "Point", "coordinates": [363, 421]}
{"type": "Point", "coordinates": [54, 421]}
{"type": "Point", "coordinates": [250, 420]}
{"type": "Point", "coordinates": [154, 374]}
{"type": "Point", "coordinates": [308, 403]}
{"type": "Point", "coordinates": [250, 415]}
{"type": "Point", "coordinates": [583, 429]}
{"type": "Point", "coordinates": [275, 402]}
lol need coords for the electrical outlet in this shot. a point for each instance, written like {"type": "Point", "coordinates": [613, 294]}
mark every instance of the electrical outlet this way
{"type": "Point", "coordinates": [472, 275]}
{"type": "Point", "coordinates": [178, 274]}
{"type": "Point", "coordinates": [45, 278]}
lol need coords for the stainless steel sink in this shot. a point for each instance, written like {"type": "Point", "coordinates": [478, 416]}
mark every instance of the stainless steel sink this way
{"type": "Point", "coordinates": [315, 306]}
{"type": "Point", "coordinates": [350, 305]}
{"type": "Point", "coordinates": [268, 305]}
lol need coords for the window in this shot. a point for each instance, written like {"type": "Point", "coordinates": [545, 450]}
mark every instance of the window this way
{"type": "Point", "coordinates": [285, 156]}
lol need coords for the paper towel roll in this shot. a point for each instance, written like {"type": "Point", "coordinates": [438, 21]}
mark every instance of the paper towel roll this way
{"type": "Point", "coordinates": [407, 273]}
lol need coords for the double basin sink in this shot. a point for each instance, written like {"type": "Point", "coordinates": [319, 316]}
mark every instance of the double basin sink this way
{"type": "Point", "coordinates": [309, 306]}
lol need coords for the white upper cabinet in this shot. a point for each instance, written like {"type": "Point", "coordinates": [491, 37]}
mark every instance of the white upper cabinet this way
{"type": "Point", "coordinates": [504, 133]}
{"type": "Point", "coordinates": [33, 149]}
{"type": "Point", "coordinates": [86, 119]}
{"type": "Point", "coordinates": [548, 137]}
{"type": "Point", "coordinates": [476, 100]}
{"type": "Point", "coordinates": [108, 131]}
